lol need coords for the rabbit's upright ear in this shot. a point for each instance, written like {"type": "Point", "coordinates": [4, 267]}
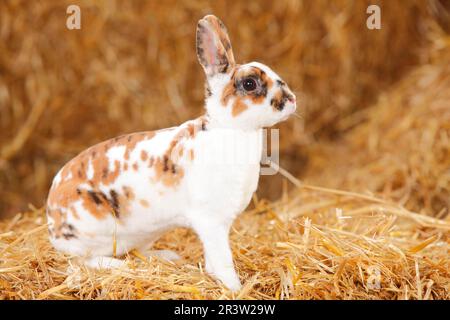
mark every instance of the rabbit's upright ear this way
{"type": "Point", "coordinates": [213, 46]}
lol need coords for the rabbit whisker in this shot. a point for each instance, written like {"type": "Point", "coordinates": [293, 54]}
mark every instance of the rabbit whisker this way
{"type": "Point", "coordinates": [298, 115]}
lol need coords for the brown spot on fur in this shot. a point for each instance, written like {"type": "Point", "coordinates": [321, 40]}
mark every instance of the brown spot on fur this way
{"type": "Point", "coordinates": [128, 192]}
{"type": "Point", "coordinates": [265, 78]}
{"type": "Point", "coordinates": [135, 166]}
{"type": "Point", "coordinates": [57, 218]}
{"type": "Point", "coordinates": [134, 139]}
{"type": "Point", "coordinates": [230, 89]}
{"type": "Point", "coordinates": [208, 92]}
{"type": "Point", "coordinates": [144, 203]}
{"type": "Point", "coordinates": [234, 88]}
{"type": "Point", "coordinates": [114, 201]}
{"type": "Point", "coordinates": [189, 132]}
{"type": "Point", "coordinates": [167, 171]}
{"type": "Point", "coordinates": [279, 99]}
{"type": "Point", "coordinates": [165, 163]}
{"type": "Point", "coordinates": [60, 227]}
{"type": "Point", "coordinates": [276, 100]}
{"type": "Point", "coordinates": [144, 155]}
{"type": "Point", "coordinates": [151, 161]}
{"type": "Point", "coordinates": [228, 92]}
{"type": "Point", "coordinates": [192, 130]}
{"type": "Point", "coordinates": [238, 107]}
{"type": "Point", "coordinates": [204, 122]}
{"type": "Point", "coordinates": [104, 173]}
{"type": "Point", "coordinates": [74, 213]}
{"type": "Point", "coordinates": [64, 194]}
{"type": "Point", "coordinates": [98, 206]}
{"type": "Point", "coordinates": [68, 231]}
{"type": "Point", "coordinates": [191, 154]}
{"type": "Point", "coordinates": [94, 197]}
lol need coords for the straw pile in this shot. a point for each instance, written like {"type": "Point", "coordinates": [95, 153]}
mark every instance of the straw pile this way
{"type": "Point", "coordinates": [132, 67]}
{"type": "Point", "coordinates": [317, 244]}
{"type": "Point", "coordinates": [376, 121]}
{"type": "Point", "coordinates": [401, 145]}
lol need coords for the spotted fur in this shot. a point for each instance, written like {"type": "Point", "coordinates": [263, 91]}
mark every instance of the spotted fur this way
{"type": "Point", "coordinates": [122, 194]}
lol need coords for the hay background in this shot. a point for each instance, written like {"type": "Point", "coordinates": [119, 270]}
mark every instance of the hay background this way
{"type": "Point", "coordinates": [375, 120]}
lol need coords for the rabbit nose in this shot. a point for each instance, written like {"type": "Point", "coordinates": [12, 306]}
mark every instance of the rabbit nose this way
{"type": "Point", "coordinates": [291, 98]}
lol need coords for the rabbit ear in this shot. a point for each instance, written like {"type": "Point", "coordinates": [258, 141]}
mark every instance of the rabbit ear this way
{"type": "Point", "coordinates": [213, 46]}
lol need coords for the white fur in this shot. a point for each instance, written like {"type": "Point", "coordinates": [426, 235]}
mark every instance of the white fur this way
{"type": "Point", "coordinates": [90, 171]}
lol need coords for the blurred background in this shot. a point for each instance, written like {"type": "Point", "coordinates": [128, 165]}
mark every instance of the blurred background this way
{"type": "Point", "coordinates": [375, 104]}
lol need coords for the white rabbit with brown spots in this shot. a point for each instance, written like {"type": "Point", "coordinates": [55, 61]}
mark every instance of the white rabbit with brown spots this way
{"type": "Point", "coordinates": [124, 193]}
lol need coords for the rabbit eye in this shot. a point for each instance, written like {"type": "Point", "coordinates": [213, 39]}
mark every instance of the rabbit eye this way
{"type": "Point", "coordinates": [249, 84]}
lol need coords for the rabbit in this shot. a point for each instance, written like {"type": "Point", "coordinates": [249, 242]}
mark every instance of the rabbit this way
{"type": "Point", "coordinates": [124, 193]}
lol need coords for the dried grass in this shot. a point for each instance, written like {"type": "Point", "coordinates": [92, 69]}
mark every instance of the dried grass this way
{"type": "Point", "coordinates": [400, 147]}
{"type": "Point", "coordinates": [313, 244]}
